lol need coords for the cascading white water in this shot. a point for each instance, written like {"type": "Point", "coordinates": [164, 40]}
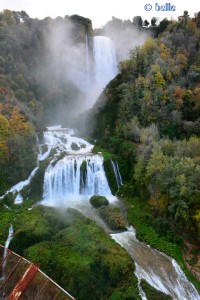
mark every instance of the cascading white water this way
{"type": "Point", "coordinates": [78, 174]}
{"type": "Point", "coordinates": [105, 68]}
{"type": "Point", "coordinates": [159, 270]}
{"type": "Point", "coordinates": [117, 173]}
{"type": "Point", "coordinates": [87, 61]}
{"type": "Point", "coordinates": [19, 186]}
{"type": "Point", "coordinates": [7, 243]}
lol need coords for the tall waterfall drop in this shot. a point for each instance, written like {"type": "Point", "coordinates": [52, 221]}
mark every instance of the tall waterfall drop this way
{"type": "Point", "coordinates": [87, 62]}
{"type": "Point", "coordinates": [105, 68]}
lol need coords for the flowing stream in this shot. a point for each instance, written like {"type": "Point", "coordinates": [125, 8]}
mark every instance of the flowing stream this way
{"type": "Point", "coordinates": [158, 269]}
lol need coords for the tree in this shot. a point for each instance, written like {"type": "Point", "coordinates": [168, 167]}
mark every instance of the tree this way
{"type": "Point", "coordinates": [186, 15]}
{"type": "Point", "coordinates": [162, 26]}
{"type": "Point", "coordinates": [153, 21]}
{"type": "Point", "coordinates": [137, 21]}
{"type": "Point", "coordinates": [146, 23]}
{"type": "Point", "coordinates": [159, 81]}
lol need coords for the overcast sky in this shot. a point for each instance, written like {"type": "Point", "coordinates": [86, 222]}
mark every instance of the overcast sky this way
{"type": "Point", "coordinates": [99, 11]}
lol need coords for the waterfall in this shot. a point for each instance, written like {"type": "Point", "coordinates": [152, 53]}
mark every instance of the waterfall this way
{"type": "Point", "coordinates": [159, 270]}
{"type": "Point", "coordinates": [19, 186]}
{"type": "Point", "coordinates": [105, 59]}
{"type": "Point", "coordinates": [7, 243]}
{"type": "Point", "coordinates": [76, 175]}
{"type": "Point", "coordinates": [88, 81]}
{"type": "Point", "coordinates": [117, 173]}
{"type": "Point", "coordinates": [80, 173]}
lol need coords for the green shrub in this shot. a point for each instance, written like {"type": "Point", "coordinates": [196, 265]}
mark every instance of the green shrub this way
{"type": "Point", "coordinates": [98, 201]}
{"type": "Point", "coordinates": [76, 249]}
{"type": "Point", "coordinates": [113, 217]}
{"type": "Point", "coordinates": [152, 293]}
{"type": "Point", "coordinates": [75, 147]}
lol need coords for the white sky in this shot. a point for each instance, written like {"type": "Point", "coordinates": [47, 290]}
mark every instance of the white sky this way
{"type": "Point", "coordinates": [99, 11]}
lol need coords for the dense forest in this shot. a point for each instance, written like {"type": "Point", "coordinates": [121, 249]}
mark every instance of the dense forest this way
{"type": "Point", "coordinates": [147, 119]}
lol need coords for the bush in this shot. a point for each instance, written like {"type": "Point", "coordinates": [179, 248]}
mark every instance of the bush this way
{"type": "Point", "coordinates": [152, 293]}
{"type": "Point", "coordinates": [75, 249]}
{"type": "Point", "coordinates": [75, 147]}
{"type": "Point", "coordinates": [113, 217]}
{"type": "Point", "coordinates": [98, 201]}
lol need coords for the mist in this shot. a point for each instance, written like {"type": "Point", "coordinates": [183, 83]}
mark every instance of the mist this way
{"type": "Point", "coordinates": [126, 34]}
{"type": "Point", "coordinates": [71, 74]}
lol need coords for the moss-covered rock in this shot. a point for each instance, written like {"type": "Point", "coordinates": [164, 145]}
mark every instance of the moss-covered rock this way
{"type": "Point", "coordinates": [7, 200]}
{"type": "Point", "coordinates": [98, 201]}
{"type": "Point", "coordinates": [36, 185]}
{"type": "Point", "coordinates": [58, 157]}
{"type": "Point", "coordinates": [75, 147]}
{"type": "Point", "coordinates": [83, 171]}
{"type": "Point", "coordinates": [152, 293]}
{"type": "Point", "coordinates": [44, 148]}
{"type": "Point", "coordinates": [113, 217]}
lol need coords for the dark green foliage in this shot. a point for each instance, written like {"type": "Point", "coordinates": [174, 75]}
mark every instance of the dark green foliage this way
{"type": "Point", "coordinates": [44, 148]}
{"type": "Point", "coordinates": [110, 175]}
{"type": "Point", "coordinates": [123, 152]}
{"type": "Point", "coordinates": [75, 147]}
{"type": "Point", "coordinates": [37, 182]}
{"type": "Point", "coordinates": [58, 157]}
{"type": "Point", "coordinates": [152, 293]}
{"type": "Point", "coordinates": [130, 293]}
{"type": "Point", "coordinates": [153, 21]}
{"type": "Point", "coordinates": [113, 217]}
{"type": "Point", "coordinates": [162, 26]}
{"type": "Point", "coordinates": [8, 200]}
{"type": "Point", "coordinates": [67, 247]}
{"type": "Point", "coordinates": [98, 201]}
{"type": "Point", "coordinates": [83, 171]}
{"type": "Point", "coordinates": [148, 116]}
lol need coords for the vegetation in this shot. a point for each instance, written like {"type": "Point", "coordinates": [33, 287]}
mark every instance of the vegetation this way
{"type": "Point", "coordinates": [113, 217]}
{"type": "Point", "coordinates": [147, 119]}
{"type": "Point", "coordinates": [33, 92]}
{"type": "Point", "coordinates": [17, 138]}
{"type": "Point", "coordinates": [98, 201]}
{"type": "Point", "coordinates": [152, 106]}
{"type": "Point", "coordinates": [148, 116]}
{"type": "Point", "coordinates": [152, 293]}
{"type": "Point", "coordinates": [66, 246]}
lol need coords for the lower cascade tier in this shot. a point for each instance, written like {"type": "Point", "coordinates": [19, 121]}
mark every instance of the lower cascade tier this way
{"type": "Point", "coordinates": [76, 175]}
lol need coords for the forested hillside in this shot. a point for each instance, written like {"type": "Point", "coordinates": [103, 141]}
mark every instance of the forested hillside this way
{"type": "Point", "coordinates": [35, 88]}
{"type": "Point", "coordinates": [147, 119]}
{"type": "Point", "coordinates": [149, 116]}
